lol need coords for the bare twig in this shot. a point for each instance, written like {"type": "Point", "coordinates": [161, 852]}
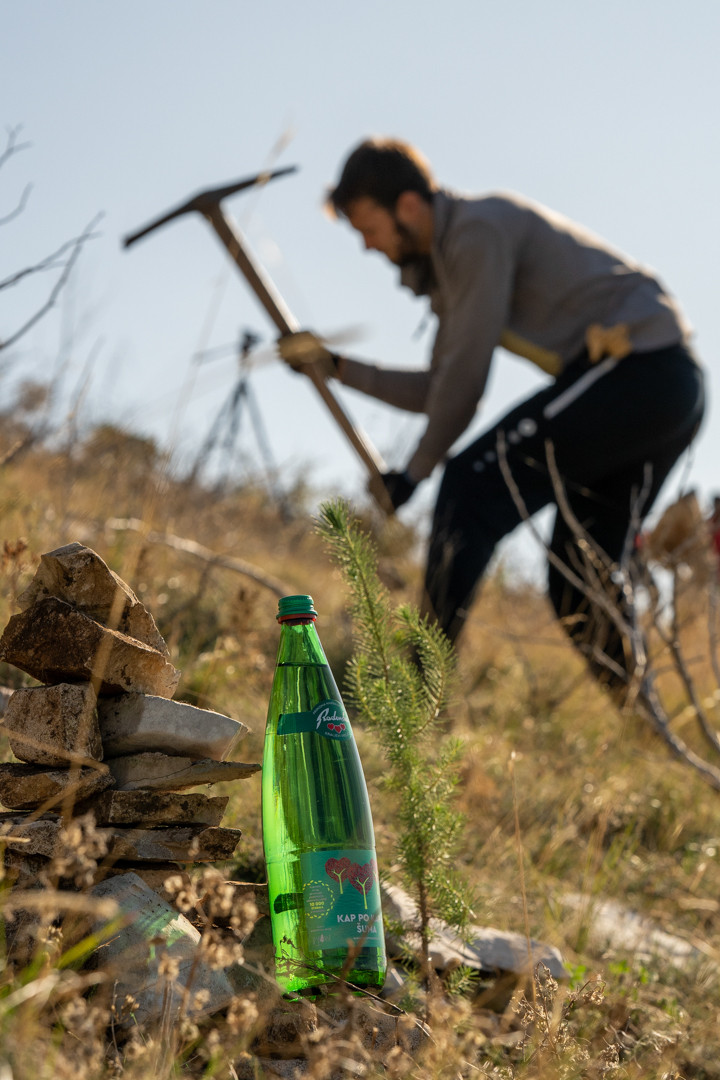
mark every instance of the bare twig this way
{"type": "Point", "coordinates": [645, 697]}
{"type": "Point", "coordinates": [595, 595]}
{"type": "Point", "coordinates": [18, 447]}
{"type": "Point", "coordinates": [12, 146]}
{"type": "Point", "coordinates": [191, 547]}
{"type": "Point", "coordinates": [22, 203]}
{"type": "Point", "coordinates": [50, 261]}
{"type": "Point", "coordinates": [712, 626]}
{"type": "Point", "coordinates": [671, 640]}
{"type": "Point", "coordinates": [651, 706]}
{"type": "Point", "coordinates": [76, 245]}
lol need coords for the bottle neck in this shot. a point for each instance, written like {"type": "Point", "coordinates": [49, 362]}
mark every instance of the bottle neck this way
{"type": "Point", "coordinates": [299, 642]}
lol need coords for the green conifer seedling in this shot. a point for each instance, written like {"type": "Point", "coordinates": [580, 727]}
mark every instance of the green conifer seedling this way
{"type": "Point", "coordinates": [398, 680]}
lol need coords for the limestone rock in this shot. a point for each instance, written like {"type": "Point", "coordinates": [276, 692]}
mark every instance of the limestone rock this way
{"type": "Point", "coordinates": [53, 725]}
{"type": "Point", "coordinates": [255, 891]}
{"type": "Point", "coordinates": [24, 871]}
{"type": "Point", "coordinates": [136, 722]}
{"type": "Point", "coordinates": [179, 843]}
{"type": "Point", "coordinates": [488, 950]}
{"type": "Point", "coordinates": [30, 871]}
{"type": "Point", "coordinates": [153, 874]}
{"type": "Point", "coordinates": [615, 930]}
{"type": "Point", "coordinates": [55, 643]}
{"type": "Point", "coordinates": [76, 574]}
{"type": "Point", "coordinates": [132, 956]}
{"type": "Point", "coordinates": [154, 808]}
{"type": "Point", "coordinates": [184, 844]}
{"type": "Point", "coordinates": [160, 772]}
{"type": "Point", "coordinates": [25, 787]}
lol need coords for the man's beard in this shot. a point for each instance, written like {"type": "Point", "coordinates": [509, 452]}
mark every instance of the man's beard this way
{"type": "Point", "coordinates": [408, 249]}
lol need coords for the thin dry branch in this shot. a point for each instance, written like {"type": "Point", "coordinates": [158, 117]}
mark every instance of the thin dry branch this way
{"type": "Point", "coordinates": [12, 146]}
{"type": "Point", "coordinates": [596, 595]}
{"type": "Point", "coordinates": [712, 627]}
{"type": "Point", "coordinates": [645, 697]}
{"type": "Point", "coordinates": [672, 641]}
{"type": "Point", "coordinates": [650, 705]}
{"type": "Point", "coordinates": [49, 262]}
{"type": "Point", "coordinates": [22, 203]}
{"type": "Point", "coordinates": [77, 245]}
{"type": "Point", "coordinates": [191, 547]}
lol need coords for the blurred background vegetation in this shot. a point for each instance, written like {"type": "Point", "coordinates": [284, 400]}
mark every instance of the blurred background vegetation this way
{"type": "Point", "coordinates": [554, 779]}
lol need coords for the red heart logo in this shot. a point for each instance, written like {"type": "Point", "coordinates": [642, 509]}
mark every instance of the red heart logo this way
{"type": "Point", "coordinates": [331, 727]}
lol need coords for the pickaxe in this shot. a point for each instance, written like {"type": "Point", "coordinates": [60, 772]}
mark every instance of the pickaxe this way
{"type": "Point", "coordinates": [208, 203]}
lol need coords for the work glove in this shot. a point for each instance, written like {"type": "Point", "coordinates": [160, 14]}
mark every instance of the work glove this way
{"type": "Point", "coordinates": [399, 487]}
{"type": "Point", "coordinates": [302, 349]}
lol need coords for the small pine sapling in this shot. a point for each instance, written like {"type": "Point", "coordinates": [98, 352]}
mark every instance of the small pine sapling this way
{"type": "Point", "coordinates": [398, 680]}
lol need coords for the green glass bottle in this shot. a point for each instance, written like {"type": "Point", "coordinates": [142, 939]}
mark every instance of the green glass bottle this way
{"type": "Point", "coordinates": [317, 827]}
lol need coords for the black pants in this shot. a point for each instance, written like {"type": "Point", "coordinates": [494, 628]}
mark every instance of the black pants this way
{"type": "Point", "coordinates": [610, 426]}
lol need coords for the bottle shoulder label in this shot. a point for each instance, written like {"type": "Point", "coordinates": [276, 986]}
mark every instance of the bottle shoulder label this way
{"type": "Point", "coordinates": [328, 719]}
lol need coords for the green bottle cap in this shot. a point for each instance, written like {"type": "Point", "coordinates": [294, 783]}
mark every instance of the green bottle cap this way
{"type": "Point", "coordinates": [295, 607]}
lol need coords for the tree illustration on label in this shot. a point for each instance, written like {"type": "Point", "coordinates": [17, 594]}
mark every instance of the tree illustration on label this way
{"type": "Point", "coordinates": [338, 869]}
{"type": "Point", "coordinates": [362, 878]}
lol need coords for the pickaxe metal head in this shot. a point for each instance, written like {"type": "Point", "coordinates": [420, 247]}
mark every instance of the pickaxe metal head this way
{"type": "Point", "coordinates": [205, 201]}
{"type": "Point", "coordinates": [208, 204]}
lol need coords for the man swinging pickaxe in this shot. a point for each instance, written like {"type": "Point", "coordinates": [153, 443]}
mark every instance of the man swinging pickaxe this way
{"type": "Point", "coordinates": [208, 203]}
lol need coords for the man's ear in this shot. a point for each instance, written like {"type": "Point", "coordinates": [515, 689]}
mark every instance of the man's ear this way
{"type": "Point", "coordinates": [410, 208]}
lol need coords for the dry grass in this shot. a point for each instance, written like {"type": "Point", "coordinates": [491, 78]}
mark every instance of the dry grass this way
{"type": "Point", "coordinates": [598, 810]}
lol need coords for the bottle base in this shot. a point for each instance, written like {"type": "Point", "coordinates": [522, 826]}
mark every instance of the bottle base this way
{"type": "Point", "coordinates": [331, 990]}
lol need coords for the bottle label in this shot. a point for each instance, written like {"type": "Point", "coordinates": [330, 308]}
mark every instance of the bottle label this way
{"type": "Point", "coordinates": [341, 897]}
{"type": "Point", "coordinates": [328, 718]}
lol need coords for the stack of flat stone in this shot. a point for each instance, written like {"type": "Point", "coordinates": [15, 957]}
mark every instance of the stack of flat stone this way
{"type": "Point", "coordinates": [102, 735]}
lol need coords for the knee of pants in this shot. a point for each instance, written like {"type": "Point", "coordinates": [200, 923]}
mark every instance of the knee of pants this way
{"type": "Point", "coordinates": [479, 505]}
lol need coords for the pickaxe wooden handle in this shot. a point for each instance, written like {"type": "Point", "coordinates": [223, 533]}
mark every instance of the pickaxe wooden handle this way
{"type": "Point", "coordinates": [208, 204]}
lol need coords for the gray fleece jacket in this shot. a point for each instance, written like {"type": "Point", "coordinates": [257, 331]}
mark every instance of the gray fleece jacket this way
{"type": "Point", "coordinates": [507, 271]}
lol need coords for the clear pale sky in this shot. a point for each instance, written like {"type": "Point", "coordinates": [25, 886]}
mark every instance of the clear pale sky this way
{"type": "Point", "coordinates": [607, 112]}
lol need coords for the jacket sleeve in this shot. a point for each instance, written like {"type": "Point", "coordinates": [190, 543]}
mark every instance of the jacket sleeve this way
{"type": "Point", "coordinates": [475, 280]}
{"type": "Point", "coordinates": [404, 389]}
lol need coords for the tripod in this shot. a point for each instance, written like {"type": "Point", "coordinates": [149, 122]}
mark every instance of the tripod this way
{"type": "Point", "coordinates": [225, 429]}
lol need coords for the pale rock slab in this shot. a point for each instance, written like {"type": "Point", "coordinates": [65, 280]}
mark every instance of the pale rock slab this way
{"type": "Point", "coordinates": [29, 871]}
{"type": "Point", "coordinates": [153, 874]}
{"type": "Point", "coordinates": [615, 930]}
{"type": "Point", "coordinates": [132, 962]}
{"type": "Point", "coordinates": [76, 574]}
{"type": "Point", "coordinates": [161, 772]}
{"type": "Point", "coordinates": [135, 722]}
{"type": "Point", "coordinates": [178, 843]}
{"type": "Point", "coordinates": [53, 725]}
{"type": "Point", "coordinates": [150, 808]}
{"type": "Point", "coordinates": [174, 843]}
{"type": "Point", "coordinates": [488, 950]}
{"type": "Point", "coordinates": [25, 787]}
{"type": "Point", "coordinates": [55, 643]}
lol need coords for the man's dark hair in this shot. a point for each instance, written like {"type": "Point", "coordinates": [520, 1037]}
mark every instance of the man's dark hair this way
{"type": "Point", "coordinates": [381, 169]}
